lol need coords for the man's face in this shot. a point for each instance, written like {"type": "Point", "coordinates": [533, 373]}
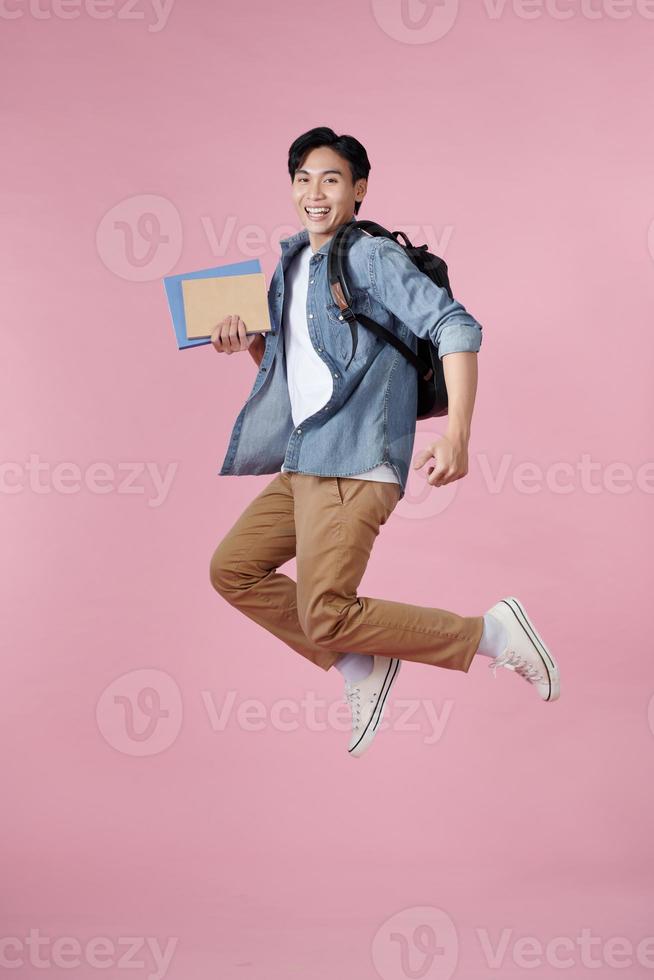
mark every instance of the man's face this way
{"type": "Point", "coordinates": [324, 181]}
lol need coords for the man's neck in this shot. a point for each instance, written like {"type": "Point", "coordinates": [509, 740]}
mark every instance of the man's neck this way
{"type": "Point", "coordinates": [317, 241]}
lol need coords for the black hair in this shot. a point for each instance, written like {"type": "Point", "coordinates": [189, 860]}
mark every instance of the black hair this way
{"type": "Point", "coordinates": [346, 146]}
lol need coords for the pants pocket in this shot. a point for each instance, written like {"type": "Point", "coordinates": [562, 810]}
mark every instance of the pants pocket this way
{"type": "Point", "coordinates": [378, 497]}
{"type": "Point", "coordinates": [339, 489]}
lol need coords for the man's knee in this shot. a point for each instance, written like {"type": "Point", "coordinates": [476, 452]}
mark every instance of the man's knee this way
{"type": "Point", "coordinates": [223, 571]}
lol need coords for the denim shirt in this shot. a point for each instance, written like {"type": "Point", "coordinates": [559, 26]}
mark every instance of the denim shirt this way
{"type": "Point", "coordinates": [370, 417]}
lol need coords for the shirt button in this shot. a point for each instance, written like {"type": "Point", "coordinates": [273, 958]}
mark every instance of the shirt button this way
{"type": "Point", "coordinates": [311, 316]}
{"type": "Point", "coordinates": [320, 350]}
{"type": "Point", "coordinates": [340, 317]}
{"type": "Point", "coordinates": [311, 281]}
{"type": "Point", "coordinates": [335, 375]}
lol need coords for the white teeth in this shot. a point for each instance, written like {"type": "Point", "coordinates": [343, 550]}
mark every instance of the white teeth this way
{"type": "Point", "coordinates": [317, 210]}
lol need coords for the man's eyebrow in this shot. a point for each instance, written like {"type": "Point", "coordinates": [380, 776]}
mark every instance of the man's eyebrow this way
{"type": "Point", "coordinates": [302, 171]}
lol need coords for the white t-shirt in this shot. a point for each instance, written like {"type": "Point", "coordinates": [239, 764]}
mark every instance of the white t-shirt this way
{"type": "Point", "coordinates": [309, 378]}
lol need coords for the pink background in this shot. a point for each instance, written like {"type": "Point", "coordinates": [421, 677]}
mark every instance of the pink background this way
{"type": "Point", "coordinates": [521, 142]}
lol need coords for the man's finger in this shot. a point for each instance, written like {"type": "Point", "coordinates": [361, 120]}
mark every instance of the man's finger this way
{"type": "Point", "coordinates": [233, 333]}
{"type": "Point", "coordinates": [422, 457]}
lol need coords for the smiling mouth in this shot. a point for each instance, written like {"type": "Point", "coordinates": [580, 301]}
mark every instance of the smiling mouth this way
{"type": "Point", "coordinates": [317, 214]}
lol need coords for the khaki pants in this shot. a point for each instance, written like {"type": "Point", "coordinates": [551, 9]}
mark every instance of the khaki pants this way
{"type": "Point", "coordinates": [329, 524]}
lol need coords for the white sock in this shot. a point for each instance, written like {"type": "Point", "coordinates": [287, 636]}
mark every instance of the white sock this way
{"type": "Point", "coordinates": [355, 666]}
{"type": "Point", "coordinates": [493, 639]}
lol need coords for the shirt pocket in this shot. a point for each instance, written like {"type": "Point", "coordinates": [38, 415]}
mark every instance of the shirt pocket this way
{"type": "Point", "coordinates": [341, 333]}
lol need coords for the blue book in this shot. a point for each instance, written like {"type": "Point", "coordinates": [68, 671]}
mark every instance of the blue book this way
{"type": "Point", "coordinates": [174, 295]}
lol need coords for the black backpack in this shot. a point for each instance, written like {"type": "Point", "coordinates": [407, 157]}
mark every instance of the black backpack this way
{"type": "Point", "coordinates": [432, 391]}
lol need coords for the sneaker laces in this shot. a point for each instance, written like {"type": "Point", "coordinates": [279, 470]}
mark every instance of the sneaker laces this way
{"type": "Point", "coordinates": [352, 697]}
{"type": "Point", "coordinates": [521, 666]}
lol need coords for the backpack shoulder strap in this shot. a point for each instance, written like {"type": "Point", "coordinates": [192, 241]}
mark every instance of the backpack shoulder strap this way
{"type": "Point", "coordinates": [342, 297]}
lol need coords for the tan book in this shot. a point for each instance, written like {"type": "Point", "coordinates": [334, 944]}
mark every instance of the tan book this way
{"type": "Point", "coordinates": [208, 301]}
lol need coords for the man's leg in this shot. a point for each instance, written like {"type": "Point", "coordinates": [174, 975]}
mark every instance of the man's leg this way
{"type": "Point", "coordinates": [336, 523]}
{"type": "Point", "coordinates": [243, 568]}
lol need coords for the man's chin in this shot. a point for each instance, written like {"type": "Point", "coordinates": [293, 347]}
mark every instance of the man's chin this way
{"type": "Point", "coordinates": [324, 227]}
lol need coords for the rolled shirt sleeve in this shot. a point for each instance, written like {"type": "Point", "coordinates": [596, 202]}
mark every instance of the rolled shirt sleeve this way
{"type": "Point", "coordinates": [424, 307]}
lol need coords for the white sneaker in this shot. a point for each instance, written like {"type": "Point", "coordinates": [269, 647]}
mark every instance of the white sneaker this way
{"type": "Point", "coordinates": [367, 699]}
{"type": "Point", "coordinates": [525, 653]}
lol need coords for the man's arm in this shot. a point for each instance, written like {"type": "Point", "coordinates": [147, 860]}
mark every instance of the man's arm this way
{"type": "Point", "coordinates": [428, 311]}
{"type": "Point", "coordinates": [461, 373]}
{"type": "Point", "coordinates": [451, 452]}
{"type": "Point", "coordinates": [419, 303]}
